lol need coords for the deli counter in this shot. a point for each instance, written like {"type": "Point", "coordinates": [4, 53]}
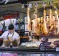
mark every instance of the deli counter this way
{"type": "Point", "coordinates": [32, 47]}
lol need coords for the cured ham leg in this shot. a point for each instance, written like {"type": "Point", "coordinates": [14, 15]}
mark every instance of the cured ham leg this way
{"type": "Point", "coordinates": [35, 22]}
{"type": "Point", "coordinates": [57, 22]}
{"type": "Point", "coordinates": [51, 25]}
{"type": "Point", "coordinates": [28, 18]}
{"type": "Point", "coordinates": [45, 30]}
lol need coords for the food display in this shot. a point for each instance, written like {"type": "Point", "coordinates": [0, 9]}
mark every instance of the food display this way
{"type": "Point", "coordinates": [9, 42]}
{"type": "Point", "coordinates": [43, 26]}
{"type": "Point", "coordinates": [56, 43]}
{"type": "Point", "coordinates": [6, 43]}
{"type": "Point", "coordinates": [14, 43]}
{"type": "Point", "coordinates": [31, 44]}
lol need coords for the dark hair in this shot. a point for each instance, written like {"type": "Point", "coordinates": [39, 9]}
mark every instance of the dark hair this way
{"type": "Point", "coordinates": [11, 26]}
{"type": "Point", "coordinates": [44, 39]}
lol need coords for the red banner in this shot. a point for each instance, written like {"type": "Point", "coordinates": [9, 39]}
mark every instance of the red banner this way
{"type": "Point", "coordinates": [10, 16]}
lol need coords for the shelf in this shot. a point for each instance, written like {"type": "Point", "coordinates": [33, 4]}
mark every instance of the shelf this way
{"type": "Point", "coordinates": [26, 49]}
{"type": "Point", "coordinates": [48, 36]}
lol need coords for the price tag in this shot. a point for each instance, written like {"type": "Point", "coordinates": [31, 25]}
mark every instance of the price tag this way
{"type": "Point", "coordinates": [57, 48]}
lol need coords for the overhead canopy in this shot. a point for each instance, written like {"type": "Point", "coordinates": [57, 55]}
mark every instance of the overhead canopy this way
{"type": "Point", "coordinates": [24, 1]}
{"type": "Point", "coordinates": [15, 5]}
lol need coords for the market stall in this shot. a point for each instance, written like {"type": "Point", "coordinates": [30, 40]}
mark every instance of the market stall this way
{"type": "Point", "coordinates": [37, 24]}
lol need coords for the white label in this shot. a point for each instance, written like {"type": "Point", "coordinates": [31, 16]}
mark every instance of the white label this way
{"type": "Point", "coordinates": [26, 20]}
{"type": "Point", "coordinates": [26, 27]}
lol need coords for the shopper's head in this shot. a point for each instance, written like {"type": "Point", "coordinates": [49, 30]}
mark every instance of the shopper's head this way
{"type": "Point", "coordinates": [11, 28]}
{"type": "Point", "coordinates": [44, 39]}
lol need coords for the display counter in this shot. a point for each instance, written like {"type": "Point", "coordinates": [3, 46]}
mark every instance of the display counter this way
{"type": "Point", "coordinates": [32, 50]}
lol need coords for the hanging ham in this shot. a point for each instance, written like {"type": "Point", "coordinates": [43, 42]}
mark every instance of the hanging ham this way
{"type": "Point", "coordinates": [28, 18]}
{"type": "Point", "coordinates": [45, 30]}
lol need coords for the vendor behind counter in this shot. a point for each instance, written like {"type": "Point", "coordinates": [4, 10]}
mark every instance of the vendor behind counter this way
{"type": "Point", "coordinates": [10, 36]}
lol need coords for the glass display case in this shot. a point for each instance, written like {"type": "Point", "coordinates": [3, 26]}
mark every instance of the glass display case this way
{"type": "Point", "coordinates": [41, 24]}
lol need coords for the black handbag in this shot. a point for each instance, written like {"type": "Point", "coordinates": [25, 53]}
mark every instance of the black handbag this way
{"type": "Point", "coordinates": [42, 47]}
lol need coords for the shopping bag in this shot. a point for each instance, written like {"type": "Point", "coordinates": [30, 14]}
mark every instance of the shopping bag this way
{"type": "Point", "coordinates": [9, 54]}
{"type": "Point", "coordinates": [0, 53]}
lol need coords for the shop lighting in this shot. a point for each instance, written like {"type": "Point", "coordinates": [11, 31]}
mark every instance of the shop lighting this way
{"type": "Point", "coordinates": [22, 5]}
{"type": "Point", "coordinates": [6, 1]}
{"type": "Point", "coordinates": [44, 4]}
{"type": "Point", "coordinates": [30, 5]}
{"type": "Point", "coordinates": [36, 4]}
